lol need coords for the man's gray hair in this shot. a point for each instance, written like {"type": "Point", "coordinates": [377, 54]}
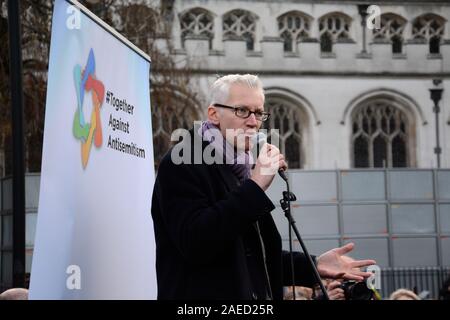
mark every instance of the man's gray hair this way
{"type": "Point", "coordinates": [220, 90]}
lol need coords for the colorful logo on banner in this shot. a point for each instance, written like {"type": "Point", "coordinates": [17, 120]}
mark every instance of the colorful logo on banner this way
{"type": "Point", "coordinates": [85, 81]}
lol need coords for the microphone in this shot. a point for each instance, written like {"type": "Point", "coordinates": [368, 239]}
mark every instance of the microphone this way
{"type": "Point", "coordinates": [261, 137]}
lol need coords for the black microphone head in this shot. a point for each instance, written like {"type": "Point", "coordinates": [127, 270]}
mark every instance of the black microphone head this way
{"type": "Point", "coordinates": [258, 140]}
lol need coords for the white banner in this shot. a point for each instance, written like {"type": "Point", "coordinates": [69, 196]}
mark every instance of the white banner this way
{"type": "Point", "coordinates": [94, 236]}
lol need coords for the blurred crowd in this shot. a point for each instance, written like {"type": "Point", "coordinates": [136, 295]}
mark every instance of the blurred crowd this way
{"type": "Point", "coordinates": [351, 290]}
{"type": "Point", "coordinates": [336, 289]}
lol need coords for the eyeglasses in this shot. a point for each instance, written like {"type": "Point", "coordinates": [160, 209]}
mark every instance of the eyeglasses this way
{"type": "Point", "coordinates": [244, 112]}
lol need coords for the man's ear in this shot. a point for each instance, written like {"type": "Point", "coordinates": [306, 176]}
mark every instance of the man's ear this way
{"type": "Point", "coordinates": [213, 115]}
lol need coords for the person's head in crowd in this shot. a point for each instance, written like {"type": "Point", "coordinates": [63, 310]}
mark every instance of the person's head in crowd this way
{"type": "Point", "coordinates": [301, 293]}
{"type": "Point", "coordinates": [15, 294]}
{"type": "Point", "coordinates": [403, 294]}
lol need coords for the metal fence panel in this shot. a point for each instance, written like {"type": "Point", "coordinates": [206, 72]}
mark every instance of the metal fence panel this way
{"type": "Point", "coordinates": [362, 185]}
{"type": "Point", "coordinates": [7, 194]}
{"type": "Point", "coordinates": [7, 239]}
{"type": "Point", "coordinates": [363, 218]}
{"type": "Point", "coordinates": [316, 220]}
{"type": "Point", "coordinates": [413, 218]}
{"type": "Point", "coordinates": [395, 214]}
{"type": "Point", "coordinates": [314, 186]}
{"type": "Point", "coordinates": [445, 247]}
{"type": "Point", "coordinates": [411, 185]}
{"type": "Point", "coordinates": [415, 252]}
{"type": "Point", "coordinates": [444, 211]}
{"type": "Point", "coordinates": [7, 275]}
{"type": "Point", "coordinates": [32, 183]}
{"type": "Point", "coordinates": [28, 260]}
{"type": "Point", "coordinates": [443, 179]}
{"type": "Point", "coordinates": [30, 229]}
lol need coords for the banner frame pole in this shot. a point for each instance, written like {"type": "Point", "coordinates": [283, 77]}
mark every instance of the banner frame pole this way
{"type": "Point", "coordinates": [18, 227]}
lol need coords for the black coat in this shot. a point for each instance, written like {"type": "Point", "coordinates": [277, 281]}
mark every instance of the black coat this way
{"type": "Point", "coordinates": [212, 233]}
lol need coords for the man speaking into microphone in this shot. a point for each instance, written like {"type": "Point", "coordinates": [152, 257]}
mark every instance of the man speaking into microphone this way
{"type": "Point", "coordinates": [215, 236]}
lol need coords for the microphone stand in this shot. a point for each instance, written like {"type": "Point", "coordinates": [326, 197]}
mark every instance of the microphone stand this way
{"type": "Point", "coordinates": [288, 196]}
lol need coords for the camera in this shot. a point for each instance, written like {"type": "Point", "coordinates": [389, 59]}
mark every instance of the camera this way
{"type": "Point", "coordinates": [354, 290]}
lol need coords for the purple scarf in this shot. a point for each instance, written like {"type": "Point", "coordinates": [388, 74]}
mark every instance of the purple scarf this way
{"type": "Point", "coordinates": [240, 161]}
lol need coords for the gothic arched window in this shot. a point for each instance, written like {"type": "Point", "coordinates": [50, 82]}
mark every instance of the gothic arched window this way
{"type": "Point", "coordinates": [429, 27]}
{"type": "Point", "coordinates": [380, 135]}
{"type": "Point", "coordinates": [290, 120]}
{"type": "Point", "coordinates": [392, 27]}
{"type": "Point", "coordinates": [241, 24]}
{"type": "Point", "coordinates": [333, 27]}
{"type": "Point", "coordinates": [197, 22]}
{"type": "Point", "coordinates": [293, 26]}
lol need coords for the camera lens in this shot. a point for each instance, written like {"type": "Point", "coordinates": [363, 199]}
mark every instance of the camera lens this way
{"type": "Point", "coordinates": [356, 291]}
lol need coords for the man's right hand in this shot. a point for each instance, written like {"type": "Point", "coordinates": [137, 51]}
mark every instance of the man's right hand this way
{"type": "Point", "coordinates": [269, 161]}
{"type": "Point", "coordinates": [335, 292]}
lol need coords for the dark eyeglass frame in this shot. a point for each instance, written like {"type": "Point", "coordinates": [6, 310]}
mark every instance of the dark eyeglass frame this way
{"type": "Point", "coordinates": [236, 108]}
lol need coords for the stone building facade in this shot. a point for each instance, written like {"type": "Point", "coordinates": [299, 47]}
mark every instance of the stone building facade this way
{"type": "Point", "coordinates": [343, 96]}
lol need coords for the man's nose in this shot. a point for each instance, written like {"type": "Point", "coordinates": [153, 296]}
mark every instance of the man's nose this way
{"type": "Point", "coordinates": [251, 120]}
